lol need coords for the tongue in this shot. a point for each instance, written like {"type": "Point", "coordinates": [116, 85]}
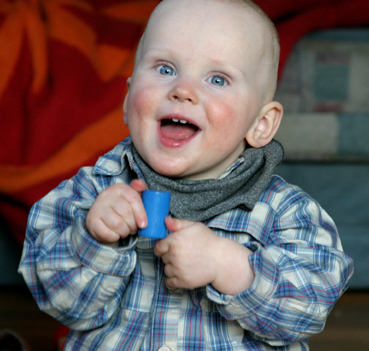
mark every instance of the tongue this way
{"type": "Point", "coordinates": [178, 132]}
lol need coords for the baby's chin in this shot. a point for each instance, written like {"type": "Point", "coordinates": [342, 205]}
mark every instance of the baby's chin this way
{"type": "Point", "coordinates": [169, 172]}
{"type": "Point", "coordinates": [183, 174]}
{"type": "Point", "coordinates": [172, 171]}
{"type": "Point", "coordinates": [174, 165]}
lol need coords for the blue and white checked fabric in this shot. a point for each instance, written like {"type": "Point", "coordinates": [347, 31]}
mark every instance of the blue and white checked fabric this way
{"type": "Point", "coordinates": [116, 299]}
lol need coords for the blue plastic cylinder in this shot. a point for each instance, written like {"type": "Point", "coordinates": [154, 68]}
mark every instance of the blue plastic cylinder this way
{"type": "Point", "coordinates": [157, 208]}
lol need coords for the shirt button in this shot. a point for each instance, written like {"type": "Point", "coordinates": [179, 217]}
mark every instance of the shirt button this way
{"type": "Point", "coordinates": [165, 348]}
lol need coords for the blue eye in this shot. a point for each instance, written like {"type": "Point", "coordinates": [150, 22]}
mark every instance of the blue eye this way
{"type": "Point", "coordinates": [218, 81]}
{"type": "Point", "coordinates": [165, 70]}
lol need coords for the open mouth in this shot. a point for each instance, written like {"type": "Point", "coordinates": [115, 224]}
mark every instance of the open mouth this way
{"type": "Point", "coordinates": [177, 129]}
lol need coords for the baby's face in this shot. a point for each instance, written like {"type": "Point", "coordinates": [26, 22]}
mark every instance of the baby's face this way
{"type": "Point", "coordinates": [192, 99]}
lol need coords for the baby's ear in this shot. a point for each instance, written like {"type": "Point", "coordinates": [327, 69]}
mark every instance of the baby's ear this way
{"type": "Point", "coordinates": [266, 125]}
{"type": "Point", "coordinates": [125, 103]}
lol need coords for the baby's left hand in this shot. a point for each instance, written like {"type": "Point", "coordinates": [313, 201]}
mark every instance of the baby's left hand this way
{"type": "Point", "coordinates": [189, 253]}
{"type": "Point", "coordinates": [195, 256]}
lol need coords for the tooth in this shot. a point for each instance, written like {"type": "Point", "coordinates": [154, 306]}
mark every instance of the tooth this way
{"type": "Point", "coordinates": [182, 121]}
{"type": "Point", "coordinates": [175, 120]}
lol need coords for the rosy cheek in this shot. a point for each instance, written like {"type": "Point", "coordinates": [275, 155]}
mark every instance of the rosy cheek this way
{"type": "Point", "coordinates": [223, 117]}
{"type": "Point", "coordinates": [142, 102]}
{"type": "Point", "coordinates": [229, 123]}
{"type": "Point", "coordinates": [140, 116]}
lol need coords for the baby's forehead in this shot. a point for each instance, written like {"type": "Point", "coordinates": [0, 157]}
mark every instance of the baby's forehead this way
{"type": "Point", "coordinates": [205, 14]}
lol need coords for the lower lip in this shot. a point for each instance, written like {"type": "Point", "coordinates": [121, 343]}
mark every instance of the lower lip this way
{"type": "Point", "coordinates": [173, 143]}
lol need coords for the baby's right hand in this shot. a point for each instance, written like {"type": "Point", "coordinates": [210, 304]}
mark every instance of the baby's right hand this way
{"type": "Point", "coordinates": [117, 212]}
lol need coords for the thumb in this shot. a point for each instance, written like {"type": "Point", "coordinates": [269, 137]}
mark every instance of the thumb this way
{"type": "Point", "coordinates": [138, 185]}
{"type": "Point", "coordinates": [175, 224]}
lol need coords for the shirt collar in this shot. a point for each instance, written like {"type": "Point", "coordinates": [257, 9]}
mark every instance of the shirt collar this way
{"type": "Point", "coordinates": [231, 168]}
{"type": "Point", "coordinates": [115, 161]}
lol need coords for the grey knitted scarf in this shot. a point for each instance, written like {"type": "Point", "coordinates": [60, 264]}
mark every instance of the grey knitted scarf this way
{"type": "Point", "coordinates": [200, 200]}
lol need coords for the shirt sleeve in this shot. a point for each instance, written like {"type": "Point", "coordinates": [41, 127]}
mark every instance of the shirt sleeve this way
{"type": "Point", "coordinates": [300, 272]}
{"type": "Point", "coordinates": [72, 276]}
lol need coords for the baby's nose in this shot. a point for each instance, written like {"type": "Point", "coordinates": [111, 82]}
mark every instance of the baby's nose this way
{"type": "Point", "coordinates": [185, 89]}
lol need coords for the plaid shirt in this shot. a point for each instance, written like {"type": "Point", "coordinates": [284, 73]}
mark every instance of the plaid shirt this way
{"type": "Point", "coordinates": [116, 299]}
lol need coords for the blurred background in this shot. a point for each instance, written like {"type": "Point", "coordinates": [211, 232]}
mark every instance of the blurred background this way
{"type": "Point", "coordinates": [63, 71]}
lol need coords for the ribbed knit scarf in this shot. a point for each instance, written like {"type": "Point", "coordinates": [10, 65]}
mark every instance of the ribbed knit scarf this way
{"type": "Point", "coordinates": [200, 200]}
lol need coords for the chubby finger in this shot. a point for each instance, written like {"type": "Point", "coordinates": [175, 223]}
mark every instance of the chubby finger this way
{"type": "Point", "coordinates": [134, 199]}
{"type": "Point", "coordinates": [139, 185]}
{"type": "Point", "coordinates": [161, 247]}
{"type": "Point", "coordinates": [171, 283]}
{"type": "Point", "coordinates": [122, 223]}
{"type": "Point", "coordinates": [175, 224]}
{"type": "Point", "coordinates": [102, 233]}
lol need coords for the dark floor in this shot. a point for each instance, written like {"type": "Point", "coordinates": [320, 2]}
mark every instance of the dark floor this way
{"type": "Point", "coordinates": [19, 312]}
{"type": "Point", "coordinates": [347, 328]}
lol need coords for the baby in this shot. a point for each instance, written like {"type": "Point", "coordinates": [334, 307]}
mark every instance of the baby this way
{"type": "Point", "coordinates": [251, 262]}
